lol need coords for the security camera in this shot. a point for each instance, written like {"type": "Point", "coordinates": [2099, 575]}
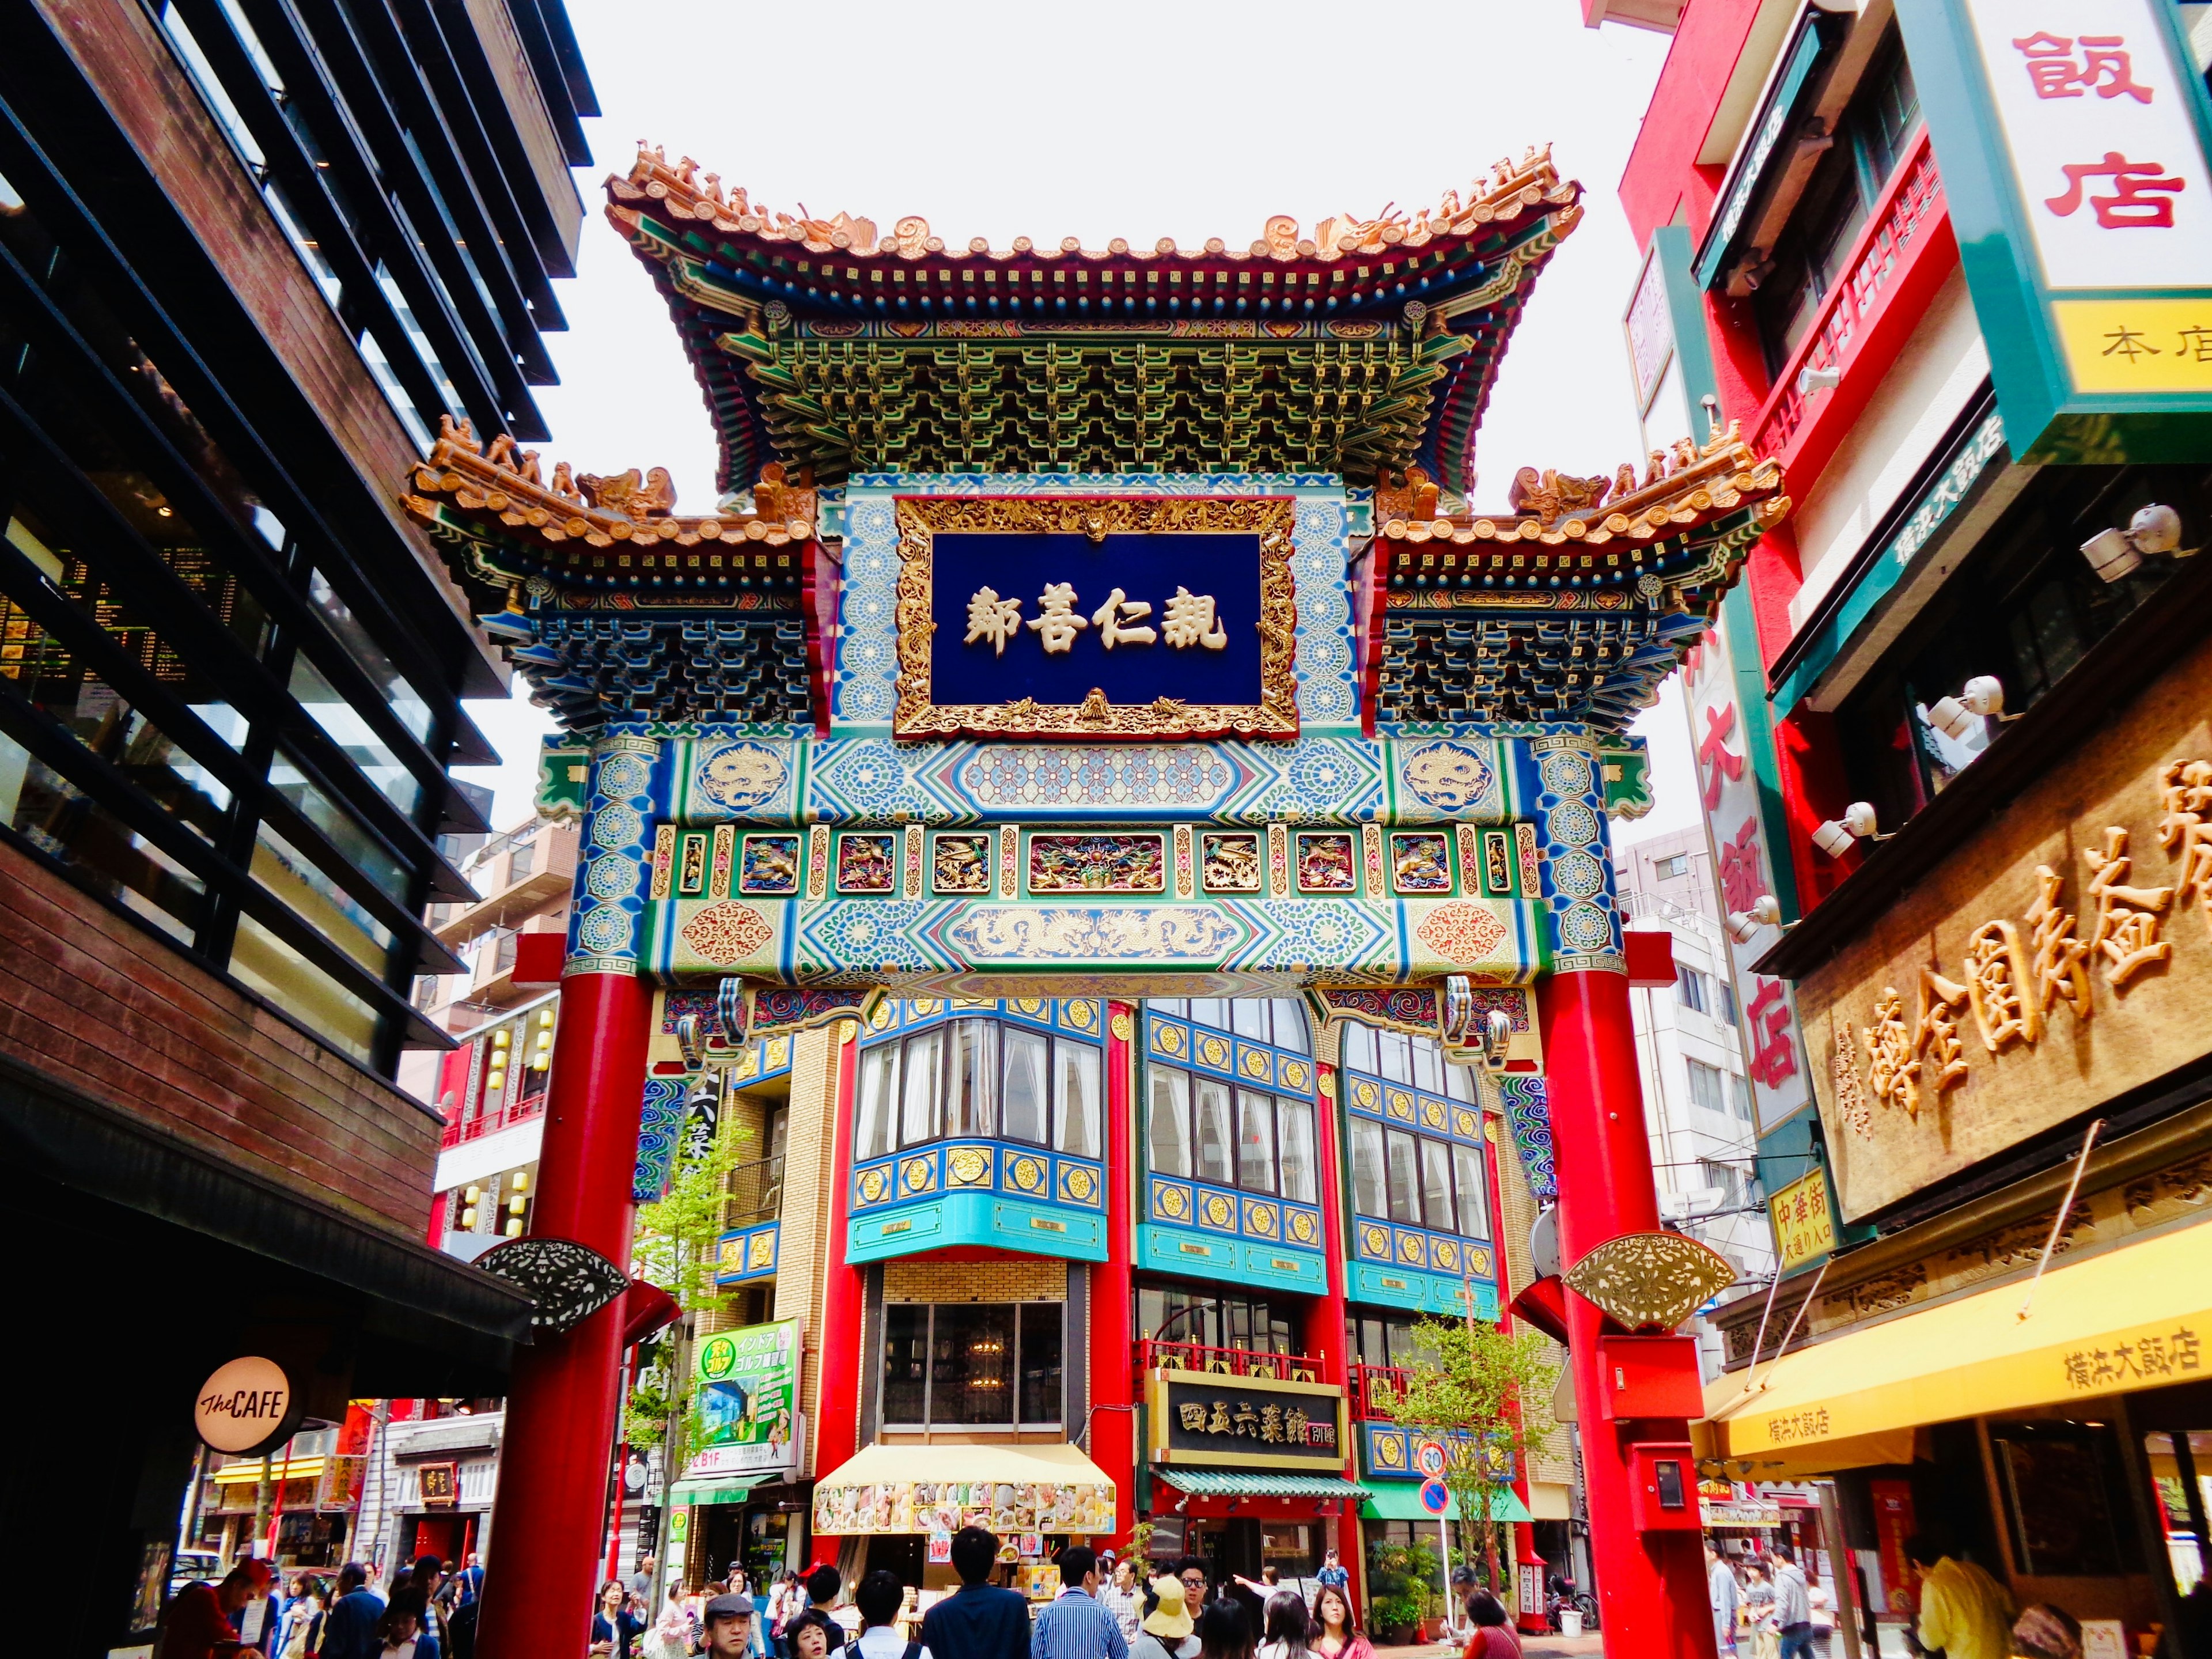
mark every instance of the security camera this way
{"type": "Point", "coordinates": [1858, 823]}
{"type": "Point", "coordinates": [2113, 554]}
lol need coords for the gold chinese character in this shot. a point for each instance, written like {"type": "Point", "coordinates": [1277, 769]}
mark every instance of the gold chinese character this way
{"type": "Point", "coordinates": [1110, 616]}
{"type": "Point", "coordinates": [2185, 833]}
{"type": "Point", "coordinates": [1194, 1417]}
{"type": "Point", "coordinates": [1936, 1033]}
{"type": "Point", "coordinates": [990, 617]}
{"type": "Point", "coordinates": [2057, 966]}
{"type": "Point", "coordinates": [1889, 1050]}
{"type": "Point", "coordinates": [1219, 1423]}
{"type": "Point", "coordinates": [2127, 917]}
{"type": "Point", "coordinates": [1059, 625]}
{"type": "Point", "coordinates": [1294, 1426]}
{"type": "Point", "coordinates": [1271, 1422]}
{"type": "Point", "coordinates": [1190, 620]}
{"type": "Point", "coordinates": [1999, 984]}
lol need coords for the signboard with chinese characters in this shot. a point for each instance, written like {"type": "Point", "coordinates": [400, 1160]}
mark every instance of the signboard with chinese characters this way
{"type": "Point", "coordinates": [1804, 1228]}
{"type": "Point", "coordinates": [747, 1400]}
{"type": "Point", "coordinates": [1729, 792]}
{"type": "Point", "coordinates": [2072, 139]}
{"type": "Point", "coordinates": [2060, 958]}
{"type": "Point", "coordinates": [1245, 1422]}
{"type": "Point", "coordinates": [1108, 617]}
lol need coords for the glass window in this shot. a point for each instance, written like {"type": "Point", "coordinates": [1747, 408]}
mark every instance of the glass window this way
{"type": "Point", "coordinates": [1428, 1066]}
{"type": "Point", "coordinates": [906, 1362]}
{"type": "Point", "coordinates": [1404, 1180]}
{"type": "Point", "coordinates": [1705, 1086]}
{"type": "Point", "coordinates": [1369, 1188]}
{"type": "Point", "coordinates": [970, 1100]}
{"type": "Point", "coordinates": [1473, 1191]}
{"type": "Point", "coordinates": [1255, 1141]}
{"type": "Point", "coordinates": [1459, 1083]}
{"type": "Point", "coordinates": [399, 694]}
{"type": "Point", "coordinates": [1170, 1122]}
{"type": "Point", "coordinates": [1437, 1186]}
{"type": "Point", "coordinates": [1295, 1118]}
{"type": "Point", "coordinates": [1690, 989]}
{"type": "Point", "coordinates": [1289, 1020]}
{"type": "Point", "coordinates": [971, 1371]}
{"type": "Point", "coordinates": [1024, 1099]}
{"type": "Point", "coordinates": [1214, 1138]}
{"type": "Point", "coordinates": [1739, 1092]}
{"type": "Point", "coordinates": [1359, 1046]}
{"type": "Point", "coordinates": [1076, 1120]}
{"type": "Point", "coordinates": [925, 1062]}
{"type": "Point", "coordinates": [102, 852]}
{"type": "Point", "coordinates": [345, 726]}
{"type": "Point", "coordinates": [1249, 1018]}
{"type": "Point", "coordinates": [1397, 1056]}
{"type": "Point", "coordinates": [1176, 1005]}
{"type": "Point", "coordinates": [1042, 1380]}
{"type": "Point", "coordinates": [303, 889]}
{"type": "Point", "coordinates": [879, 1093]}
{"type": "Point", "coordinates": [1210, 1011]}
{"type": "Point", "coordinates": [269, 966]}
{"type": "Point", "coordinates": [361, 849]}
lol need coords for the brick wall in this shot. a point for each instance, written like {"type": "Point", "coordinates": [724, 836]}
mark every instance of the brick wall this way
{"type": "Point", "coordinates": [110, 1011]}
{"type": "Point", "coordinates": [1039, 1279]}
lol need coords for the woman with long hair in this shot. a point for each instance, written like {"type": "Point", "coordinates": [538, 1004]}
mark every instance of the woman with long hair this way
{"type": "Point", "coordinates": [1223, 1633]}
{"type": "Point", "coordinates": [1289, 1631]}
{"type": "Point", "coordinates": [1339, 1636]}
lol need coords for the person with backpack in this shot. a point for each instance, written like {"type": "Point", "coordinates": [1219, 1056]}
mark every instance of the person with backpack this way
{"type": "Point", "coordinates": [880, 1599]}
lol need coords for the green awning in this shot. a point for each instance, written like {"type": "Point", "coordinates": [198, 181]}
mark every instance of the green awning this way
{"type": "Point", "coordinates": [693, 1493]}
{"type": "Point", "coordinates": [1403, 1503]}
{"type": "Point", "coordinates": [1236, 1483]}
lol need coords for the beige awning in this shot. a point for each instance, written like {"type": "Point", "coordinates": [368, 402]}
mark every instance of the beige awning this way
{"type": "Point", "coordinates": [1040, 1488]}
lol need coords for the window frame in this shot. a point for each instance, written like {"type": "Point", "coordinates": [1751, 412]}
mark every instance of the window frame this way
{"type": "Point", "coordinates": [1015, 1423]}
{"type": "Point", "coordinates": [945, 1035]}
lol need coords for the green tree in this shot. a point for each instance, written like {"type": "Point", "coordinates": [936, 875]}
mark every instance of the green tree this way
{"type": "Point", "coordinates": [1486, 1397]}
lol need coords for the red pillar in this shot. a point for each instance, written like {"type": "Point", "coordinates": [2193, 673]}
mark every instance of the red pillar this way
{"type": "Point", "coordinates": [1113, 1439]}
{"type": "Point", "coordinates": [837, 1344]}
{"type": "Point", "coordinates": [565, 1399]}
{"type": "Point", "coordinates": [1324, 1332]}
{"type": "Point", "coordinates": [1651, 1587]}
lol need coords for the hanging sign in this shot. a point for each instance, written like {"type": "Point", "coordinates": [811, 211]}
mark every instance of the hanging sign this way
{"type": "Point", "coordinates": [246, 1407]}
{"type": "Point", "coordinates": [2072, 139]}
{"type": "Point", "coordinates": [747, 1400]}
{"type": "Point", "coordinates": [1803, 1227]}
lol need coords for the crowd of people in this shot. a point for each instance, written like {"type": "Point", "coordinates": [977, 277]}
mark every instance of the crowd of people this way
{"type": "Point", "coordinates": [426, 1613]}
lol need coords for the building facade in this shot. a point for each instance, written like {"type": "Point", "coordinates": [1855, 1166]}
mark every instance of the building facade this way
{"type": "Point", "coordinates": [236, 293]}
{"type": "Point", "coordinates": [1945, 742]}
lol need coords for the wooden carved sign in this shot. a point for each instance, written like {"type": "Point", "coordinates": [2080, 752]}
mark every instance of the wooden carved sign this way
{"type": "Point", "coordinates": [2060, 958]}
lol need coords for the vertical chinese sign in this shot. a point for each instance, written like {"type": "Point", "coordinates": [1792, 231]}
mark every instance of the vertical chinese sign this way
{"type": "Point", "coordinates": [1773, 1056]}
{"type": "Point", "coordinates": [2072, 139]}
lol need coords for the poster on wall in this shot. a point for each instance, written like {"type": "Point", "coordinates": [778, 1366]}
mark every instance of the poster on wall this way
{"type": "Point", "coordinates": [745, 1402]}
{"type": "Point", "coordinates": [1743, 868]}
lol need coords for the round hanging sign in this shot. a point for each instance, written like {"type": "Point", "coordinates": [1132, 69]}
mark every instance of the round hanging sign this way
{"type": "Point", "coordinates": [1429, 1459]}
{"type": "Point", "coordinates": [243, 1407]}
{"type": "Point", "coordinates": [1436, 1497]}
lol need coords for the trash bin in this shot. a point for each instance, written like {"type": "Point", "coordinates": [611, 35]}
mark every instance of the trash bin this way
{"type": "Point", "coordinates": [1570, 1621]}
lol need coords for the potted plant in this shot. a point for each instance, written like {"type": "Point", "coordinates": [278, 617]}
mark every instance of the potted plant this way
{"type": "Point", "coordinates": [1403, 1582]}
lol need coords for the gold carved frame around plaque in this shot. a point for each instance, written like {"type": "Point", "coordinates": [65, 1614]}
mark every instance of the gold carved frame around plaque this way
{"type": "Point", "coordinates": [1276, 714]}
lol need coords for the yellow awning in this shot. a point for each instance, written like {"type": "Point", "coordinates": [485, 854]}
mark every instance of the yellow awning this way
{"type": "Point", "coordinates": [246, 1474]}
{"type": "Point", "coordinates": [2132, 1318]}
{"type": "Point", "coordinates": [1009, 1488]}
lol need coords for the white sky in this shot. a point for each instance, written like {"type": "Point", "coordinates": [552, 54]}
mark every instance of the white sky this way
{"type": "Point", "coordinates": [1138, 119]}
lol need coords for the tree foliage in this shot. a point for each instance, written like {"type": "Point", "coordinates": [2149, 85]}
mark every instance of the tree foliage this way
{"type": "Point", "coordinates": [1485, 1395]}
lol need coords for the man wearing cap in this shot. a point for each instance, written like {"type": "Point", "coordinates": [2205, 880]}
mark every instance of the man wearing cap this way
{"type": "Point", "coordinates": [729, 1624]}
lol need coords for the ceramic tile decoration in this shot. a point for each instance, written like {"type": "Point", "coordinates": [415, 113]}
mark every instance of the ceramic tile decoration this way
{"type": "Point", "coordinates": [1420, 862]}
{"type": "Point", "coordinates": [1097, 864]}
{"type": "Point", "coordinates": [1327, 862]}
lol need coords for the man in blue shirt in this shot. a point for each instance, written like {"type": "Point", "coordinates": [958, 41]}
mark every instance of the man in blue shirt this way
{"type": "Point", "coordinates": [350, 1628]}
{"type": "Point", "coordinates": [1076, 1627]}
{"type": "Point", "coordinates": [979, 1621]}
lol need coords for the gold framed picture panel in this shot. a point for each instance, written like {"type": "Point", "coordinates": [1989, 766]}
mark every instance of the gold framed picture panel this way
{"type": "Point", "coordinates": [1272, 516]}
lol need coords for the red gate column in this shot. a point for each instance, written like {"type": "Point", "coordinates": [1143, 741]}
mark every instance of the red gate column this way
{"type": "Point", "coordinates": [837, 1341]}
{"type": "Point", "coordinates": [1324, 1333]}
{"type": "Point", "coordinates": [1651, 1587]}
{"type": "Point", "coordinates": [564, 1401]}
{"type": "Point", "coordinates": [1112, 1442]}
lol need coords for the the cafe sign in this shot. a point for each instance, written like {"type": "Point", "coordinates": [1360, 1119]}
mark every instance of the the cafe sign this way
{"type": "Point", "coordinates": [246, 1407]}
{"type": "Point", "coordinates": [1245, 1422]}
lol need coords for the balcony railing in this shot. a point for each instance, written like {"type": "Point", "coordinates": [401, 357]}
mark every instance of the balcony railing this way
{"type": "Point", "coordinates": [755, 1192]}
{"type": "Point", "coordinates": [1375, 1390]}
{"type": "Point", "coordinates": [505, 1115]}
{"type": "Point", "coordinates": [1905, 222]}
{"type": "Point", "coordinates": [1154, 1355]}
